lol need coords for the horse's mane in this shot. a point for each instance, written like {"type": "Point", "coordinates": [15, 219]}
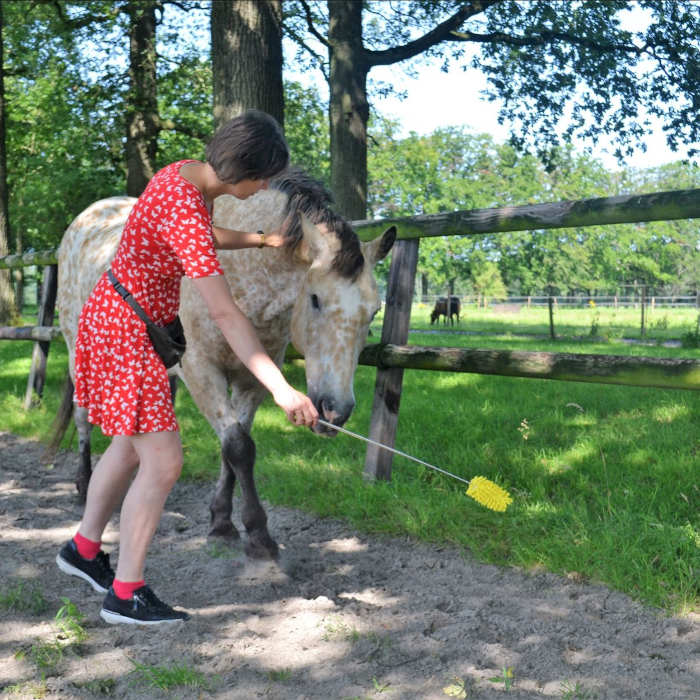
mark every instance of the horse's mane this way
{"type": "Point", "coordinates": [310, 197]}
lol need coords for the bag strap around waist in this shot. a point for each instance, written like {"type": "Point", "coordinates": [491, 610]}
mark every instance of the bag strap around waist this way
{"type": "Point", "coordinates": [126, 295]}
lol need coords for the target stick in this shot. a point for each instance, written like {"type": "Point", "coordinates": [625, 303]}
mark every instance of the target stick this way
{"type": "Point", "coordinates": [480, 488]}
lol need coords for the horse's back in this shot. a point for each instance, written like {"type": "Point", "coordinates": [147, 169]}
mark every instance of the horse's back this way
{"type": "Point", "coordinates": [86, 249]}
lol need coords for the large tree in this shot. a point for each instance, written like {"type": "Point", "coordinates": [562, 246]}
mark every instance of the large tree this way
{"type": "Point", "coordinates": [246, 56]}
{"type": "Point", "coordinates": [546, 61]}
{"type": "Point", "coordinates": [142, 120]}
{"type": "Point", "coordinates": [7, 301]}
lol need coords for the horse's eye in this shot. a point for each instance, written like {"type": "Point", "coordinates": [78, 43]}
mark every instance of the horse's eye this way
{"type": "Point", "coordinates": [315, 303]}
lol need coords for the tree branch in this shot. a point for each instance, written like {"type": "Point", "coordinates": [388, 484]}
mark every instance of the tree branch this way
{"type": "Point", "coordinates": [311, 26]}
{"type": "Point", "coordinates": [317, 57]}
{"type": "Point", "coordinates": [170, 125]}
{"type": "Point", "coordinates": [84, 21]}
{"type": "Point", "coordinates": [543, 38]}
{"type": "Point", "coordinates": [444, 31]}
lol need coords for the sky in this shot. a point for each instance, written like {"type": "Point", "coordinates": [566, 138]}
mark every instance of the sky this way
{"type": "Point", "coordinates": [437, 99]}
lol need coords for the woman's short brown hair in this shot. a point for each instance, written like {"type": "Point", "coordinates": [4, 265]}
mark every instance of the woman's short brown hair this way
{"type": "Point", "coordinates": [249, 146]}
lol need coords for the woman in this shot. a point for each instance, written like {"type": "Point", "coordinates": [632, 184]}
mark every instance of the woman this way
{"type": "Point", "coordinates": [121, 380]}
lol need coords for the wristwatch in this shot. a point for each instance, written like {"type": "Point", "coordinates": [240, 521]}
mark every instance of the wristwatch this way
{"type": "Point", "coordinates": [262, 239]}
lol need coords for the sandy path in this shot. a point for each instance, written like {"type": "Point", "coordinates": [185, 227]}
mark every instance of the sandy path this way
{"type": "Point", "coordinates": [343, 614]}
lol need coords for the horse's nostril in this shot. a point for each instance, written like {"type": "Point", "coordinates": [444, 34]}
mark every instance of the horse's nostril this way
{"type": "Point", "coordinates": [328, 411]}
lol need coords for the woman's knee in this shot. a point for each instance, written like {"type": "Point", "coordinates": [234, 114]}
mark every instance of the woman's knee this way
{"type": "Point", "coordinates": [161, 454]}
{"type": "Point", "coordinates": [124, 451]}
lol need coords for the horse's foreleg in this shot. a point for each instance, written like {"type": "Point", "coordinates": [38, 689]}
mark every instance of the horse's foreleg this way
{"type": "Point", "coordinates": [238, 452]}
{"type": "Point", "coordinates": [221, 505]}
{"type": "Point", "coordinates": [82, 478]}
{"type": "Point", "coordinates": [172, 380]}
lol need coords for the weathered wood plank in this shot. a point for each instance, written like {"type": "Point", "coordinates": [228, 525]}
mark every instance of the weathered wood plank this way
{"type": "Point", "coordinates": [46, 333]}
{"type": "Point", "coordinates": [387, 388]}
{"type": "Point", "coordinates": [39, 257]}
{"type": "Point", "coordinates": [658, 206]}
{"type": "Point", "coordinates": [662, 373]}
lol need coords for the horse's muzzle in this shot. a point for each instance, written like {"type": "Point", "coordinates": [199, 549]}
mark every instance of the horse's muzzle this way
{"type": "Point", "coordinates": [333, 412]}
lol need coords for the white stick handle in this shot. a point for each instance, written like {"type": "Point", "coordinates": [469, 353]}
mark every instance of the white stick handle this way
{"type": "Point", "coordinates": [391, 449]}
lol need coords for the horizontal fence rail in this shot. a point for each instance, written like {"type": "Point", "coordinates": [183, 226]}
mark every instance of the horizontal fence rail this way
{"type": "Point", "coordinates": [42, 333]}
{"type": "Point", "coordinates": [582, 301]}
{"type": "Point", "coordinates": [654, 372]}
{"type": "Point", "coordinates": [661, 373]}
{"type": "Point", "coordinates": [625, 209]}
{"type": "Point", "coordinates": [39, 257]}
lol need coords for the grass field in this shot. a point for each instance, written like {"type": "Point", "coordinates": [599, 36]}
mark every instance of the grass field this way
{"type": "Point", "coordinates": [604, 478]}
{"type": "Point", "coordinates": [606, 323]}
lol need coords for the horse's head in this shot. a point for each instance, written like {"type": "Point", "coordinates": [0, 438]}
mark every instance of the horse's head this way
{"type": "Point", "coordinates": [332, 313]}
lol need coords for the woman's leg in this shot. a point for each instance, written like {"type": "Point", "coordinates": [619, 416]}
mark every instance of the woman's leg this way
{"type": "Point", "coordinates": [108, 484]}
{"type": "Point", "coordinates": [160, 464]}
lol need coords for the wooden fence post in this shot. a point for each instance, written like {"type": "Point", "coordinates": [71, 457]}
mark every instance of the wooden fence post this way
{"type": "Point", "coordinates": [550, 303]}
{"type": "Point", "coordinates": [387, 388]}
{"type": "Point", "coordinates": [37, 373]}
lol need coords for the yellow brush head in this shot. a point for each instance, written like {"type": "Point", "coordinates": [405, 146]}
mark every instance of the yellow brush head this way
{"type": "Point", "coordinates": [488, 494]}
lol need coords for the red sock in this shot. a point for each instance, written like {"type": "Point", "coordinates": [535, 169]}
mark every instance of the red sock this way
{"type": "Point", "coordinates": [87, 549]}
{"type": "Point", "coordinates": [125, 589]}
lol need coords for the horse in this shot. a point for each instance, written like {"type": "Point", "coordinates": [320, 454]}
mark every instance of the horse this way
{"type": "Point", "coordinates": [317, 291]}
{"type": "Point", "coordinates": [440, 309]}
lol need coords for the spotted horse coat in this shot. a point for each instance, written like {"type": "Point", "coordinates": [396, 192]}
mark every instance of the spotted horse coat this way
{"type": "Point", "coordinates": [317, 291]}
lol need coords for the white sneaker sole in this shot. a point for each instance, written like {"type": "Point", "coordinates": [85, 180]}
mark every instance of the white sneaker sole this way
{"type": "Point", "coordinates": [113, 618]}
{"type": "Point", "coordinates": [67, 568]}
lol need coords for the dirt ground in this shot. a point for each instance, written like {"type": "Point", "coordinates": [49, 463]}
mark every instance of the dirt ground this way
{"type": "Point", "coordinates": [341, 615]}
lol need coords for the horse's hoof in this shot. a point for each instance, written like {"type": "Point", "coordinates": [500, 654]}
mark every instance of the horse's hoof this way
{"type": "Point", "coordinates": [224, 531]}
{"type": "Point", "coordinates": [262, 548]}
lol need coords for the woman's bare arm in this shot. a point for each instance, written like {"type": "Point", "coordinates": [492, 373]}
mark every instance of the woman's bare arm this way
{"type": "Point", "coordinates": [244, 342]}
{"type": "Point", "coordinates": [228, 239]}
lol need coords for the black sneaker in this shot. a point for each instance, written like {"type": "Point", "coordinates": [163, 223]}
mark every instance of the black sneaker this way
{"type": "Point", "coordinates": [97, 572]}
{"type": "Point", "coordinates": [143, 609]}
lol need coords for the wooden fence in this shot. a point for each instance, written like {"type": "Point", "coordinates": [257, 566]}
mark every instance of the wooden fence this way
{"type": "Point", "coordinates": [392, 355]}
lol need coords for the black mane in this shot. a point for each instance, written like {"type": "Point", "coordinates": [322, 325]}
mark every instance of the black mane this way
{"type": "Point", "coordinates": [310, 197]}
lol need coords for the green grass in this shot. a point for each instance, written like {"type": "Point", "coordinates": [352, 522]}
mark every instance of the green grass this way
{"type": "Point", "coordinates": [169, 677]}
{"type": "Point", "coordinates": [22, 596]}
{"type": "Point", "coordinates": [604, 478]}
{"type": "Point", "coordinates": [661, 323]}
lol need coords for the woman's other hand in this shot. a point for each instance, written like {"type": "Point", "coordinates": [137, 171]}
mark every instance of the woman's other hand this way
{"type": "Point", "coordinates": [274, 239]}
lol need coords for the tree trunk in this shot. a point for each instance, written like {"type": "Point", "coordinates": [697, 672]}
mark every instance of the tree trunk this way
{"type": "Point", "coordinates": [7, 304]}
{"type": "Point", "coordinates": [142, 110]}
{"type": "Point", "coordinates": [349, 109]}
{"type": "Point", "coordinates": [424, 288]}
{"type": "Point", "coordinates": [246, 54]}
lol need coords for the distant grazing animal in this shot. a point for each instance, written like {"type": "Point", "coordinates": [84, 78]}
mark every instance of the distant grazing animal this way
{"type": "Point", "coordinates": [318, 290]}
{"type": "Point", "coordinates": [440, 309]}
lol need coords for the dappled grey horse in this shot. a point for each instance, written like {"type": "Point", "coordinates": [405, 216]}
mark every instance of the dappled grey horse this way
{"type": "Point", "coordinates": [318, 290]}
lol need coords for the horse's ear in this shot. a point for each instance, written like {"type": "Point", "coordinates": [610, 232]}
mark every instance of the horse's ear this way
{"type": "Point", "coordinates": [313, 244]}
{"type": "Point", "coordinates": [377, 249]}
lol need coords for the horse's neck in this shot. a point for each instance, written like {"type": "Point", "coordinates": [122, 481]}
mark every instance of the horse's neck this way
{"type": "Point", "coordinates": [265, 283]}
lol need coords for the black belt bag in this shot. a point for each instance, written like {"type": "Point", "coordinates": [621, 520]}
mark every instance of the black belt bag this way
{"type": "Point", "coordinates": [168, 341]}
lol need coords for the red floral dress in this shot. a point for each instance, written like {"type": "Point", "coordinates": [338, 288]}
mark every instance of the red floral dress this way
{"type": "Point", "coordinates": [119, 377]}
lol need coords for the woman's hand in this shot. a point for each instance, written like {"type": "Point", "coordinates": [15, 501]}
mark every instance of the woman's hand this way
{"type": "Point", "coordinates": [274, 239]}
{"type": "Point", "coordinates": [297, 406]}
